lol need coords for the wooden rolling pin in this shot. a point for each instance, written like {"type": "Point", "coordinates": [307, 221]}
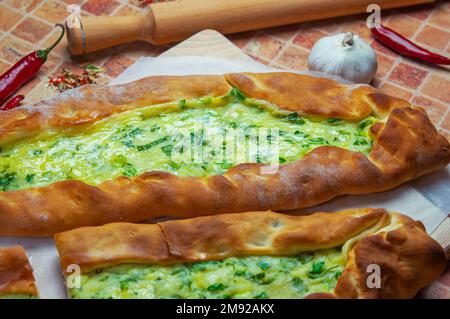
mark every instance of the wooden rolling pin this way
{"type": "Point", "coordinates": [173, 21]}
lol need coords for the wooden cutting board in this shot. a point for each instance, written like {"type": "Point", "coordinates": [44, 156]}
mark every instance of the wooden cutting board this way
{"type": "Point", "coordinates": [214, 44]}
{"type": "Point", "coordinates": [208, 43]}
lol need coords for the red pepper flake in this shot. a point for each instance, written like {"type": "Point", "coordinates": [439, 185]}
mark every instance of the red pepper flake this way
{"type": "Point", "coordinates": [68, 80]}
{"type": "Point", "coordinates": [13, 103]}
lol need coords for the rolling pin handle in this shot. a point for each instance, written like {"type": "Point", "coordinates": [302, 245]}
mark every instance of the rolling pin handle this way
{"type": "Point", "coordinates": [89, 34]}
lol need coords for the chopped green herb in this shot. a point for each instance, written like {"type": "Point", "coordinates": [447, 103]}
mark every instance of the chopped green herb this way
{"type": "Point", "coordinates": [293, 117]}
{"type": "Point", "coordinates": [152, 144]}
{"type": "Point", "coordinates": [216, 287]}
{"type": "Point", "coordinates": [360, 141]}
{"type": "Point", "coordinates": [261, 295]}
{"type": "Point", "coordinates": [237, 95]}
{"type": "Point", "coordinates": [318, 140]}
{"type": "Point", "coordinates": [129, 144]}
{"type": "Point", "coordinates": [317, 267]}
{"type": "Point", "coordinates": [130, 170]}
{"type": "Point", "coordinates": [167, 149]}
{"type": "Point", "coordinates": [6, 179]}
{"type": "Point", "coordinates": [263, 265]}
{"type": "Point", "coordinates": [29, 178]}
{"type": "Point", "coordinates": [334, 121]}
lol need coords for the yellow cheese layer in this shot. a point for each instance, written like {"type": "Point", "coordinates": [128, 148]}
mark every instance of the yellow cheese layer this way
{"type": "Point", "coordinates": [247, 277]}
{"type": "Point", "coordinates": [188, 138]}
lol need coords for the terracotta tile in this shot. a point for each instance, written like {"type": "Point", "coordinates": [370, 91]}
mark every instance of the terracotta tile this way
{"type": "Point", "coordinates": [293, 58]}
{"type": "Point", "coordinates": [258, 59]}
{"type": "Point", "coordinates": [408, 75]}
{"type": "Point", "coordinates": [69, 65]}
{"type": "Point", "coordinates": [385, 64]}
{"type": "Point", "coordinates": [377, 82]}
{"type": "Point", "coordinates": [24, 90]}
{"type": "Point", "coordinates": [357, 25]}
{"type": "Point", "coordinates": [8, 18]}
{"type": "Point", "coordinates": [381, 48]}
{"type": "Point", "coordinates": [446, 123]}
{"type": "Point", "coordinates": [404, 24]}
{"type": "Point", "coordinates": [4, 66]}
{"type": "Point", "coordinates": [52, 11]}
{"type": "Point", "coordinates": [52, 62]}
{"type": "Point", "coordinates": [32, 30]}
{"type": "Point", "coordinates": [284, 33]}
{"type": "Point", "coordinates": [444, 6]}
{"type": "Point", "coordinates": [135, 3]}
{"type": "Point", "coordinates": [446, 133]}
{"type": "Point", "coordinates": [441, 18]}
{"type": "Point", "coordinates": [438, 87]}
{"type": "Point", "coordinates": [435, 110]}
{"type": "Point", "coordinates": [307, 37]}
{"type": "Point", "coordinates": [38, 93]}
{"type": "Point", "coordinates": [72, 1]}
{"type": "Point", "coordinates": [420, 12]}
{"type": "Point", "coordinates": [24, 5]}
{"type": "Point", "coordinates": [100, 7]}
{"type": "Point", "coordinates": [397, 91]}
{"type": "Point", "coordinates": [332, 25]}
{"type": "Point", "coordinates": [104, 79]}
{"type": "Point", "coordinates": [61, 47]}
{"type": "Point", "coordinates": [135, 50]}
{"type": "Point", "coordinates": [265, 46]}
{"type": "Point", "coordinates": [12, 49]}
{"type": "Point", "coordinates": [241, 39]}
{"type": "Point", "coordinates": [126, 10]}
{"type": "Point", "coordinates": [116, 64]}
{"type": "Point", "coordinates": [97, 57]}
{"type": "Point", "coordinates": [434, 37]}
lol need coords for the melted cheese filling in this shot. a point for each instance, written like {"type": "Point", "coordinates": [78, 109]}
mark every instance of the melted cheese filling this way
{"type": "Point", "coordinates": [246, 277]}
{"type": "Point", "coordinates": [188, 138]}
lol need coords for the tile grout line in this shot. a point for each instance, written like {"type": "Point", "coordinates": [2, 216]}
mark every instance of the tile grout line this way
{"type": "Point", "coordinates": [284, 48]}
{"type": "Point", "coordinates": [441, 121]}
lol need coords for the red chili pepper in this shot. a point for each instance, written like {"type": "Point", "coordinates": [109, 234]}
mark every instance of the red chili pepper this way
{"type": "Point", "coordinates": [402, 45]}
{"type": "Point", "coordinates": [14, 102]}
{"type": "Point", "coordinates": [24, 70]}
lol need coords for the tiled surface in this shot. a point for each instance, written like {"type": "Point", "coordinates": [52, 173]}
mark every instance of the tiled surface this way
{"type": "Point", "coordinates": [26, 25]}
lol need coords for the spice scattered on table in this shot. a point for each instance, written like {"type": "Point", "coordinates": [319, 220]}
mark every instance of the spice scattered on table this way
{"type": "Point", "coordinates": [24, 70]}
{"type": "Point", "coordinates": [402, 45]}
{"type": "Point", "coordinates": [67, 79]}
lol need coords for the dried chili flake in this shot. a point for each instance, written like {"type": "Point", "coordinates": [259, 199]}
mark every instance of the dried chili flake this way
{"type": "Point", "coordinates": [67, 79]}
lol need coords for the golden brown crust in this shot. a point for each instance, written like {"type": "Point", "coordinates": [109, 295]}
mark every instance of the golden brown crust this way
{"type": "Point", "coordinates": [406, 146]}
{"type": "Point", "coordinates": [311, 96]}
{"type": "Point", "coordinates": [16, 274]}
{"type": "Point", "coordinates": [408, 257]}
{"type": "Point", "coordinates": [91, 103]}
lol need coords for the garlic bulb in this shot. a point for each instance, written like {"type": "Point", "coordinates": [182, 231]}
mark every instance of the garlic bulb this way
{"type": "Point", "coordinates": [346, 55]}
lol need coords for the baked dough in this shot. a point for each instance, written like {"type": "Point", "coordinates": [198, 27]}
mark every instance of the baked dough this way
{"type": "Point", "coordinates": [16, 274]}
{"type": "Point", "coordinates": [406, 145]}
{"type": "Point", "coordinates": [408, 258]}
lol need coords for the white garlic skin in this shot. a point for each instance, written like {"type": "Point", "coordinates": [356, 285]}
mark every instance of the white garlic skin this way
{"type": "Point", "coordinates": [355, 62]}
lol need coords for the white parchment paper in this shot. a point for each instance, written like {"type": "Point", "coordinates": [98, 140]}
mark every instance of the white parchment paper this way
{"type": "Point", "coordinates": [420, 199]}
